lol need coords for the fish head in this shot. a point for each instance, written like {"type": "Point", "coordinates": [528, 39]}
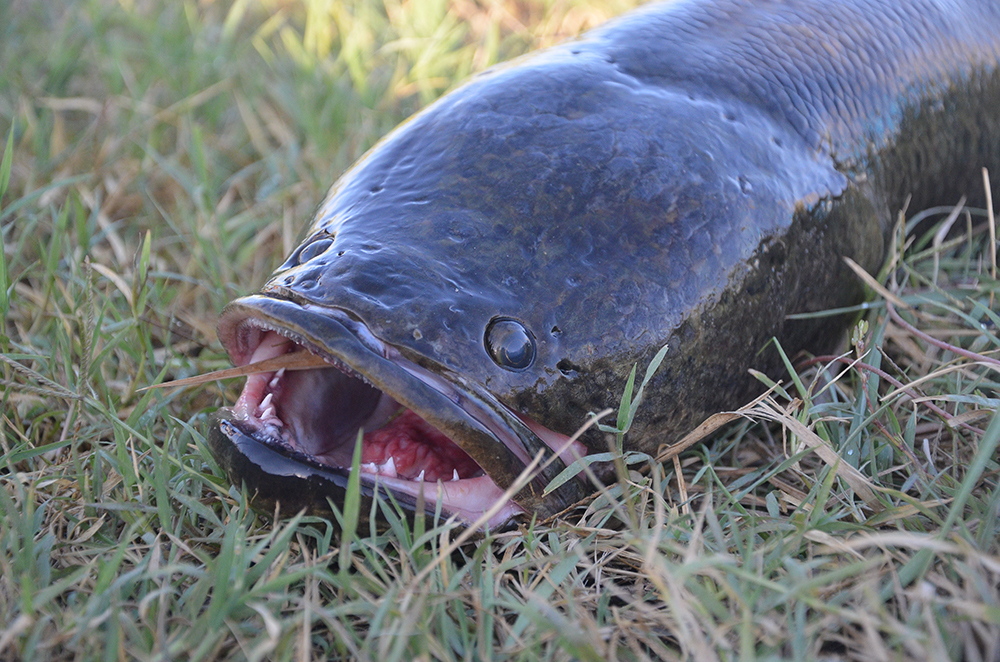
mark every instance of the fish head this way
{"type": "Point", "coordinates": [448, 369]}
{"type": "Point", "coordinates": [426, 377]}
{"type": "Point", "coordinates": [486, 277]}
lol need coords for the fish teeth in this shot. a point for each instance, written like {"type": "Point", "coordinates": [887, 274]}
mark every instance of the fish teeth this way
{"type": "Point", "coordinates": [266, 402]}
{"type": "Point", "coordinates": [267, 411]}
{"type": "Point", "coordinates": [388, 468]}
{"type": "Point", "coordinates": [277, 378]}
{"type": "Point", "coordinates": [454, 475]}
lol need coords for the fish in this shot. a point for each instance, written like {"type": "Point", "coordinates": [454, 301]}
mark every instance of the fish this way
{"type": "Point", "coordinates": [688, 177]}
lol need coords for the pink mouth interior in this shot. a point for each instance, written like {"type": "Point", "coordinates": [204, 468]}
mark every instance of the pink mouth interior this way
{"type": "Point", "coordinates": [318, 413]}
{"type": "Point", "coordinates": [416, 449]}
{"type": "Point", "coordinates": [396, 443]}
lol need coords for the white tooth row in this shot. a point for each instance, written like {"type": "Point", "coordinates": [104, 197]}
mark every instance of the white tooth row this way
{"type": "Point", "coordinates": [388, 469]}
{"type": "Point", "coordinates": [267, 412]}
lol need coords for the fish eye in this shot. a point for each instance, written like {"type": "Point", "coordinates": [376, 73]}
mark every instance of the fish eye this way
{"type": "Point", "coordinates": [509, 343]}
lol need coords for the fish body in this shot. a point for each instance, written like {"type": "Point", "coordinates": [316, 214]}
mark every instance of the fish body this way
{"type": "Point", "coordinates": [686, 176]}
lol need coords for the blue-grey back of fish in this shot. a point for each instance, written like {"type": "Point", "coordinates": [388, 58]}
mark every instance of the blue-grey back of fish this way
{"type": "Point", "coordinates": [688, 176]}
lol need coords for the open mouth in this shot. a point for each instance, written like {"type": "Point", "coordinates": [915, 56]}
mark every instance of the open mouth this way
{"type": "Point", "coordinates": [422, 438]}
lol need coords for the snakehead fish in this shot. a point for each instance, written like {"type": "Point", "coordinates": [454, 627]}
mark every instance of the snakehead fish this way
{"type": "Point", "coordinates": [688, 176]}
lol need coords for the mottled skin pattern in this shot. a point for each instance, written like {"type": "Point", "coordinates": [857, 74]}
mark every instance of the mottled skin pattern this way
{"type": "Point", "coordinates": [687, 175]}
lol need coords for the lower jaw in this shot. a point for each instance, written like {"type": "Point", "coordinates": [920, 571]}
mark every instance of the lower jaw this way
{"type": "Point", "coordinates": [279, 481]}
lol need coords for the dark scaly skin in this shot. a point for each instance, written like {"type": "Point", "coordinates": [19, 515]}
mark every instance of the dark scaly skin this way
{"type": "Point", "coordinates": [689, 175]}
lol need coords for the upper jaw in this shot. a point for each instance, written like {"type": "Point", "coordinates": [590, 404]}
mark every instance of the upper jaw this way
{"type": "Point", "coordinates": [496, 439]}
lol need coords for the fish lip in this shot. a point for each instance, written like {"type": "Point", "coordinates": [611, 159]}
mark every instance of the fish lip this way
{"type": "Point", "coordinates": [304, 484]}
{"type": "Point", "coordinates": [492, 435]}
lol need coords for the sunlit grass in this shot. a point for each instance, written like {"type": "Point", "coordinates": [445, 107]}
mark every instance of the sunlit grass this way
{"type": "Point", "coordinates": [164, 157]}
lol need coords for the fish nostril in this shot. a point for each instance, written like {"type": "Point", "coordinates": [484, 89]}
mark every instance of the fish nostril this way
{"type": "Point", "coordinates": [314, 249]}
{"type": "Point", "coordinates": [509, 343]}
{"type": "Point", "coordinates": [305, 278]}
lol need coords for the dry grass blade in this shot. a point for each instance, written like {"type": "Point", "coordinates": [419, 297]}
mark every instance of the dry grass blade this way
{"type": "Point", "coordinates": [300, 360]}
{"type": "Point", "coordinates": [706, 428]}
{"type": "Point", "coordinates": [992, 224]}
{"type": "Point", "coordinates": [942, 233]}
{"type": "Point", "coordinates": [769, 410]}
{"type": "Point", "coordinates": [871, 282]}
{"type": "Point", "coordinates": [709, 426]}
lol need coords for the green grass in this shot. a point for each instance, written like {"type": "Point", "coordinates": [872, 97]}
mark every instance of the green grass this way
{"type": "Point", "coordinates": [161, 158]}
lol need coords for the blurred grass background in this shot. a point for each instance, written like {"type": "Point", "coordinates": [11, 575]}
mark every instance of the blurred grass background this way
{"type": "Point", "coordinates": [163, 157]}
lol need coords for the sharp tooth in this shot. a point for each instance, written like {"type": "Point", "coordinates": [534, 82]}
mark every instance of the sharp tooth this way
{"type": "Point", "coordinates": [388, 468]}
{"type": "Point", "coordinates": [266, 402]}
{"type": "Point", "coordinates": [370, 468]}
{"type": "Point", "coordinates": [454, 475]}
{"type": "Point", "coordinates": [277, 378]}
{"type": "Point", "coordinates": [420, 476]}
